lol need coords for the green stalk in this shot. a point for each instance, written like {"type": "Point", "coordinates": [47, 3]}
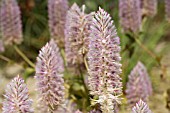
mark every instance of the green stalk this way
{"type": "Point", "coordinates": [5, 58]}
{"type": "Point", "coordinates": [147, 50]}
{"type": "Point", "coordinates": [24, 56]}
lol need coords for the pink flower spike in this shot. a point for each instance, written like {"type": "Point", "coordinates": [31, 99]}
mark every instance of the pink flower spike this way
{"type": "Point", "coordinates": [49, 69]}
{"type": "Point", "coordinates": [17, 98]}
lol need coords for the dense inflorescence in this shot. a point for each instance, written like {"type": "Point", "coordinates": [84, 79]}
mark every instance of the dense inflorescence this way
{"type": "Point", "coordinates": [149, 7]}
{"type": "Point", "coordinates": [167, 9]}
{"type": "Point", "coordinates": [76, 34]}
{"type": "Point", "coordinates": [141, 107]}
{"type": "Point", "coordinates": [17, 98]}
{"type": "Point", "coordinates": [104, 62]}
{"type": "Point", "coordinates": [130, 15]}
{"type": "Point", "coordinates": [57, 10]}
{"type": "Point", "coordinates": [50, 83]}
{"type": "Point", "coordinates": [139, 85]}
{"type": "Point", "coordinates": [10, 22]}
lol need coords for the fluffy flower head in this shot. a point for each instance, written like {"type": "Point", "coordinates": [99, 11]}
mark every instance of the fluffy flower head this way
{"type": "Point", "coordinates": [57, 10]}
{"type": "Point", "coordinates": [17, 98]}
{"type": "Point", "coordinates": [77, 33]}
{"type": "Point", "coordinates": [139, 85]}
{"type": "Point", "coordinates": [10, 22]}
{"type": "Point", "coordinates": [104, 62]}
{"type": "Point", "coordinates": [50, 83]}
{"type": "Point", "coordinates": [130, 15]}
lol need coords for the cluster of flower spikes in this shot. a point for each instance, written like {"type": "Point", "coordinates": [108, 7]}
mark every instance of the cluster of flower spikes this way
{"type": "Point", "coordinates": [57, 10]}
{"type": "Point", "coordinates": [10, 22]}
{"type": "Point", "coordinates": [167, 9]}
{"type": "Point", "coordinates": [17, 98]}
{"type": "Point", "coordinates": [141, 107]}
{"type": "Point", "coordinates": [149, 7]}
{"type": "Point", "coordinates": [139, 85]}
{"type": "Point", "coordinates": [77, 34]}
{"type": "Point", "coordinates": [104, 62]}
{"type": "Point", "coordinates": [50, 84]}
{"type": "Point", "coordinates": [130, 15]}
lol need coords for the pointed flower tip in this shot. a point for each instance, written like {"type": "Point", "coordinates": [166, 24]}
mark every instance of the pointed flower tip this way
{"type": "Point", "coordinates": [138, 82]}
{"type": "Point", "coordinates": [74, 6]}
{"type": "Point", "coordinates": [17, 98]}
{"type": "Point", "coordinates": [77, 33]}
{"type": "Point", "coordinates": [141, 107]}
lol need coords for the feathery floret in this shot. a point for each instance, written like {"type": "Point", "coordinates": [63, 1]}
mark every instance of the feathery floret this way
{"type": "Point", "coordinates": [104, 62]}
{"type": "Point", "coordinates": [141, 107]}
{"type": "Point", "coordinates": [57, 10]}
{"type": "Point", "coordinates": [76, 34]}
{"type": "Point", "coordinates": [149, 7]}
{"type": "Point", "coordinates": [10, 22]}
{"type": "Point", "coordinates": [48, 75]}
{"type": "Point", "coordinates": [130, 15]}
{"type": "Point", "coordinates": [139, 85]}
{"type": "Point", "coordinates": [17, 98]}
{"type": "Point", "coordinates": [167, 9]}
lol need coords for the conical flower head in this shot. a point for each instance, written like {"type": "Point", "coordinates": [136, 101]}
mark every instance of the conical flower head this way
{"type": "Point", "coordinates": [104, 62]}
{"type": "Point", "coordinates": [141, 107]}
{"type": "Point", "coordinates": [50, 83]}
{"type": "Point", "coordinates": [149, 7]}
{"type": "Point", "coordinates": [76, 34]}
{"type": "Point", "coordinates": [167, 9]}
{"type": "Point", "coordinates": [17, 98]}
{"type": "Point", "coordinates": [10, 22]}
{"type": "Point", "coordinates": [57, 10]}
{"type": "Point", "coordinates": [139, 85]}
{"type": "Point", "coordinates": [130, 15]}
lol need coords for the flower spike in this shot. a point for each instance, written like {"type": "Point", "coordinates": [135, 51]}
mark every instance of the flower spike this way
{"type": "Point", "coordinates": [17, 98]}
{"type": "Point", "coordinates": [104, 62]}
{"type": "Point", "coordinates": [49, 70]}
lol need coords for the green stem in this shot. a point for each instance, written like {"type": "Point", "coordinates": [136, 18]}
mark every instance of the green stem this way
{"type": "Point", "coordinates": [147, 50]}
{"type": "Point", "coordinates": [86, 92]}
{"type": "Point", "coordinates": [82, 78]}
{"type": "Point", "coordinates": [5, 58]}
{"type": "Point", "coordinates": [23, 56]}
{"type": "Point", "coordinates": [85, 63]}
{"type": "Point", "coordinates": [63, 56]}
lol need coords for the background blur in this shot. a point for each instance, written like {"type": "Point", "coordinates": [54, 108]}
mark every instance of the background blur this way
{"type": "Point", "coordinates": [156, 37]}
